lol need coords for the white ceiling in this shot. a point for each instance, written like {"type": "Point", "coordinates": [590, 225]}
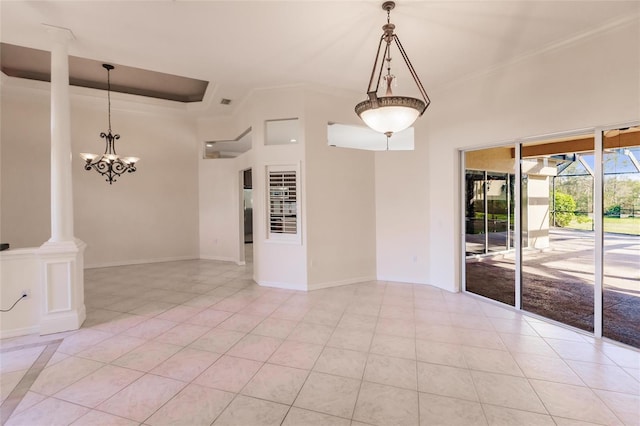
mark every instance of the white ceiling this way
{"type": "Point", "coordinates": [241, 45]}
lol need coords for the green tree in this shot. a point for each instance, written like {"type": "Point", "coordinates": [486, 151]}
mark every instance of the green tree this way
{"type": "Point", "coordinates": [565, 206]}
{"type": "Point", "coordinates": [580, 188]}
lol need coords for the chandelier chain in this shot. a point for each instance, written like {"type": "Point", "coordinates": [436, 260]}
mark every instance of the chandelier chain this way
{"type": "Point", "coordinates": [109, 95]}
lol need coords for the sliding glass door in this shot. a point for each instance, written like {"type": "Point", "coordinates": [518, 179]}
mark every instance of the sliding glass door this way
{"type": "Point", "coordinates": [578, 200]}
{"type": "Point", "coordinates": [621, 223]}
{"type": "Point", "coordinates": [557, 271]}
{"type": "Point", "coordinates": [489, 224]}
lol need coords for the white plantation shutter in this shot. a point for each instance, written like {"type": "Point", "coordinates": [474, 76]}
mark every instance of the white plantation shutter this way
{"type": "Point", "coordinates": [283, 202]}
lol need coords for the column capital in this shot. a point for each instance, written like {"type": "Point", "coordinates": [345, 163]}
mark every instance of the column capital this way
{"type": "Point", "coordinates": [59, 34]}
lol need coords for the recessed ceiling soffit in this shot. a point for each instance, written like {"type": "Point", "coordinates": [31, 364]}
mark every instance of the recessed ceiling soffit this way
{"type": "Point", "coordinates": [34, 64]}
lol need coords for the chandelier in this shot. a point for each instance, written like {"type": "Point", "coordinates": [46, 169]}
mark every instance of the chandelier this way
{"type": "Point", "coordinates": [389, 113]}
{"type": "Point", "coordinates": [109, 164]}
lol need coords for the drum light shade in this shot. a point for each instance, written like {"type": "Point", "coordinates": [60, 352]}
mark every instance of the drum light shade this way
{"type": "Point", "coordinates": [393, 114]}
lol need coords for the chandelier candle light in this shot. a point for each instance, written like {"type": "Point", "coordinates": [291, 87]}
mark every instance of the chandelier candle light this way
{"type": "Point", "coordinates": [109, 164]}
{"type": "Point", "coordinates": [389, 113]}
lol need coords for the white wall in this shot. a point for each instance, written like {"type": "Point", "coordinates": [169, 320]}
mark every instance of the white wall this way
{"type": "Point", "coordinates": [20, 270]}
{"type": "Point", "coordinates": [340, 193]}
{"type": "Point", "coordinates": [402, 214]}
{"type": "Point", "coordinates": [26, 168]}
{"type": "Point", "coordinates": [337, 244]}
{"type": "Point", "coordinates": [151, 215]}
{"type": "Point", "coordinates": [275, 263]}
{"type": "Point", "coordinates": [220, 209]}
{"type": "Point", "coordinates": [589, 82]}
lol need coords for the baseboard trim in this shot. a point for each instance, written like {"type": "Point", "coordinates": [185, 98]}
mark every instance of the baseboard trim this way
{"type": "Point", "coordinates": [59, 322]}
{"type": "Point", "coordinates": [284, 286]}
{"type": "Point", "coordinates": [403, 280]}
{"type": "Point", "coordinates": [317, 286]}
{"type": "Point", "coordinates": [139, 262]}
{"type": "Point", "coordinates": [219, 258]}
{"type": "Point", "coordinates": [329, 284]}
{"type": "Point", "coordinates": [16, 332]}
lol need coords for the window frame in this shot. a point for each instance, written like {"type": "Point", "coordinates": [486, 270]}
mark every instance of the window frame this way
{"type": "Point", "coordinates": [285, 201]}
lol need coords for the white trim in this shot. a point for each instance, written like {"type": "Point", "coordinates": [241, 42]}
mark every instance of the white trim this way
{"type": "Point", "coordinates": [50, 286]}
{"type": "Point", "coordinates": [517, 229]}
{"type": "Point", "coordinates": [396, 280]}
{"type": "Point", "coordinates": [219, 258]}
{"type": "Point", "coordinates": [329, 284]}
{"type": "Point", "coordinates": [462, 211]}
{"type": "Point", "coordinates": [284, 286]}
{"type": "Point", "coordinates": [16, 332]}
{"type": "Point", "coordinates": [140, 261]}
{"type": "Point", "coordinates": [598, 225]}
{"type": "Point", "coordinates": [63, 321]}
{"type": "Point", "coordinates": [19, 254]}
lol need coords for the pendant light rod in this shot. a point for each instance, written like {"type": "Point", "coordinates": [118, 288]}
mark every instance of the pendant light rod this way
{"type": "Point", "coordinates": [109, 67]}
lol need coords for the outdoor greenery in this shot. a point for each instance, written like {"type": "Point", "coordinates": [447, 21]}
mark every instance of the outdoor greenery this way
{"type": "Point", "coordinates": [565, 206]}
{"type": "Point", "coordinates": [616, 225]}
{"type": "Point", "coordinates": [621, 199]}
{"type": "Point", "coordinates": [621, 191]}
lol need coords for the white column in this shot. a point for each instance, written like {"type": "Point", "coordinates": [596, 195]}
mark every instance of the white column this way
{"type": "Point", "coordinates": [61, 185]}
{"type": "Point", "coordinates": [62, 257]}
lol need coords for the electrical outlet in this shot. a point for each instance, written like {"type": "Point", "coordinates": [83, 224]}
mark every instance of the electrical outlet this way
{"type": "Point", "coordinates": [25, 293]}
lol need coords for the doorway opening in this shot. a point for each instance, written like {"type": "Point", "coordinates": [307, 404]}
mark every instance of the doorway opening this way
{"type": "Point", "coordinates": [247, 215]}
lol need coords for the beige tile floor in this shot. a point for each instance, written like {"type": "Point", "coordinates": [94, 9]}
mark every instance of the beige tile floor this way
{"type": "Point", "coordinates": [198, 343]}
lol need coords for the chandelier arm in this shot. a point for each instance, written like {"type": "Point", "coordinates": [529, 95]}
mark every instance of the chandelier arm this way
{"type": "Point", "coordinates": [103, 135]}
{"type": "Point", "coordinates": [416, 79]}
{"type": "Point", "coordinates": [101, 167]}
{"type": "Point", "coordinates": [373, 70]}
{"type": "Point", "coordinates": [119, 167]}
{"type": "Point", "coordinates": [114, 138]}
{"type": "Point", "coordinates": [110, 169]}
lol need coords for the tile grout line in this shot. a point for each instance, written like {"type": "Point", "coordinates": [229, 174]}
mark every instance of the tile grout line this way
{"type": "Point", "coordinates": [17, 394]}
{"type": "Point", "coordinates": [364, 370]}
{"type": "Point", "coordinates": [310, 369]}
{"type": "Point", "coordinates": [415, 347]}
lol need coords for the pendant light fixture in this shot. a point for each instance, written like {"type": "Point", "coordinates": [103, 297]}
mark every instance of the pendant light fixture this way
{"type": "Point", "coordinates": [109, 164]}
{"type": "Point", "coordinates": [389, 113]}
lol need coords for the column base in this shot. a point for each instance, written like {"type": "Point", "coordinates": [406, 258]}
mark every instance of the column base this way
{"type": "Point", "coordinates": [62, 284]}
